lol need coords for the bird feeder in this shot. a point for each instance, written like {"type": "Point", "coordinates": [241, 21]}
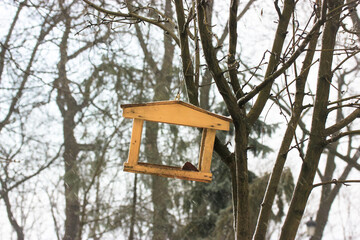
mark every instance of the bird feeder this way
{"type": "Point", "coordinates": [178, 113]}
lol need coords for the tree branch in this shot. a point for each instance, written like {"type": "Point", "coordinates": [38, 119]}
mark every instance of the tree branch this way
{"type": "Point", "coordinates": [232, 63]}
{"type": "Point", "coordinates": [268, 80]}
{"type": "Point", "coordinates": [357, 97]}
{"type": "Point", "coordinates": [135, 16]}
{"type": "Point", "coordinates": [265, 87]}
{"type": "Point", "coordinates": [187, 64]}
{"type": "Point", "coordinates": [226, 30]}
{"type": "Point", "coordinates": [4, 193]}
{"type": "Point", "coordinates": [26, 178]}
{"type": "Point", "coordinates": [5, 45]}
{"type": "Point", "coordinates": [346, 159]}
{"type": "Point", "coordinates": [335, 181]}
{"type": "Point", "coordinates": [212, 62]}
{"type": "Point", "coordinates": [316, 141]}
{"type": "Point", "coordinates": [343, 123]}
{"type": "Point", "coordinates": [44, 31]}
{"type": "Point", "coordinates": [272, 188]}
{"type": "Point", "coordinates": [341, 135]}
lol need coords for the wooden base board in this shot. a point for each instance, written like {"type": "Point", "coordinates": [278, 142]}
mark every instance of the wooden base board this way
{"type": "Point", "coordinates": [168, 171]}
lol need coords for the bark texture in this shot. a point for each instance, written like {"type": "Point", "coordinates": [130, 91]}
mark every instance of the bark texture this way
{"type": "Point", "coordinates": [317, 135]}
{"type": "Point", "coordinates": [266, 206]}
{"type": "Point", "coordinates": [161, 229]}
{"type": "Point", "coordinates": [68, 108]}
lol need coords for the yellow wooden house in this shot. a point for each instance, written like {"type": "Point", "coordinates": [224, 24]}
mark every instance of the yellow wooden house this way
{"type": "Point", "coordinates": [178, 113]}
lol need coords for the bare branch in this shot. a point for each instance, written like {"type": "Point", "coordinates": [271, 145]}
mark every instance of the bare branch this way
{"type": "Point", "coordinates": [347, 159]}
{"type": "Point", "coordinates": [341, 135]}
{"type": "Point", "coordinates": [232, 63]}
{"type": "Point", "coordinates": [278, 43]}
{"type": "Point", "coordinates": [135, 16]}
{"type": "Point", "coordinates": [226, 29]}
{"type": "Point", "coordinates": [335, 181]}
{"type": "Point", "coordinates": [343, 123]}
{"type": "Point", "coordinates": [286, 65]}
{"type": "Point", "coordinates": [187, 64]}
{"type": "Point", "coordinates": [5, 45]}
{"type": "Point", "coordinates": [44, 31]}
{"type": "Point", "coordinates": [210, 56]}
{"type": "Point", "coordinates": [356, 97]}
{"type": "Point", "coordinates": [296, 111]}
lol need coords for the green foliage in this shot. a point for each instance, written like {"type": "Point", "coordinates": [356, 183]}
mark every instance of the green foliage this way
{"type": "Point", "coordinates": [260, 130]}
{"type": "Point", "coordinates": [257, 191]}
{"type": "Point", "coordinates": [209, 206]}
{"type": "Point", "coordinates": [204, 202]}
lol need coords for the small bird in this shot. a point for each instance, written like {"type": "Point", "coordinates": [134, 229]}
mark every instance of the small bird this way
{"type": "Point", "coordinates": [189, 167]}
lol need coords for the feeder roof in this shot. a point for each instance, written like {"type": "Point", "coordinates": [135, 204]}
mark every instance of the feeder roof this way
{"type": "Point", "coordinates": [176, 112]}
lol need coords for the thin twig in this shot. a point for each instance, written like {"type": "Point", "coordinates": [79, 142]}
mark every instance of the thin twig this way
{"type": "Point", "coordinates": [335, 181]}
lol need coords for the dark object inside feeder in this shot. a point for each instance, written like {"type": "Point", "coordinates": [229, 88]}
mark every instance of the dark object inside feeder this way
{"type": "Point", "coordinates": [189, 167]}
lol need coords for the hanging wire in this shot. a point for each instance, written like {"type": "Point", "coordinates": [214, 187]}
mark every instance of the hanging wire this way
{"type": "Point", "coordinates": [181, 85]}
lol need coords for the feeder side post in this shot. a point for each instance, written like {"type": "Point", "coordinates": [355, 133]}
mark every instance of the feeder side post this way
{"type": "Point", "coordinates": [135, 142]}
{"type": "Point", "coordinates": [206, 149]}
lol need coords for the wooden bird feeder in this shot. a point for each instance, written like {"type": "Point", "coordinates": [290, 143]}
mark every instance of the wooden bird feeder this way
{"type": "Point", "coordinates": [178, 113]}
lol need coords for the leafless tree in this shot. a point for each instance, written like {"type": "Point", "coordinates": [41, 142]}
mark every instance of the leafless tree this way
{"type": "Point", "coordinates": [15, 113]}
{"type": "Point", "coordinates": [322, 27]}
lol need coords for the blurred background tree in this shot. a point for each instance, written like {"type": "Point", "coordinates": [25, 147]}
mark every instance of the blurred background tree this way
{"type": "Point", "coordinates": [65, 68]}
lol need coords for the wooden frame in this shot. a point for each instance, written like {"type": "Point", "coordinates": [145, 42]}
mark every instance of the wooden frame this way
{"type": "Point", "coordinates": [178, 113]}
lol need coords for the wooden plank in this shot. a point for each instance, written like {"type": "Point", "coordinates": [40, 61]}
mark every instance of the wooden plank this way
{"type": "Point", "coordinates": [168, 171]}
{"type": "Point", "coordinates": [135, 142]}
{"type": "Point", "coordinates": [176, 112]}
{"type": "Point", "coordinates": [206, 151]}
{"type": "Point", "coordinates": [203, 137]}
{"type": "Point", "coordinates": [176, 102]}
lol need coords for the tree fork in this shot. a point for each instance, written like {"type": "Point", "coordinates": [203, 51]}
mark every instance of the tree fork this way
{"type": "Point", "coordinates": [289, 6]}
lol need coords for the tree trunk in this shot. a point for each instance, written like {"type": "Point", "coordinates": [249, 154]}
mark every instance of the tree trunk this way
{"type": "Point", "coordinates": [241, 199]}
{"type": "Point", "coordinates": [4, 194]}
{"type": "Point", "coordinates": [329, 194]}
{"type": "Point", "coordinates": [159, 185]}
{"type": "Point", "coordinates": [68, 108]}
{"type": "Point", "coordinates": [266, 206]}
{"type": "Point", "coordinates": [133, 210]}
{"type": "Point", "coordinates": [326, 200]}
{"type": "Point", "coordinates": [317, 135]}
{"type": "Point", "coordinates": [161, 228]}
{"type": "Point", "coordinates": [71, 180]}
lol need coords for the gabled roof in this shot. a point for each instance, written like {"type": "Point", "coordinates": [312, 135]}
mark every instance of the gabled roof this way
{"type": "Point", "coordinates": [176, 112]}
